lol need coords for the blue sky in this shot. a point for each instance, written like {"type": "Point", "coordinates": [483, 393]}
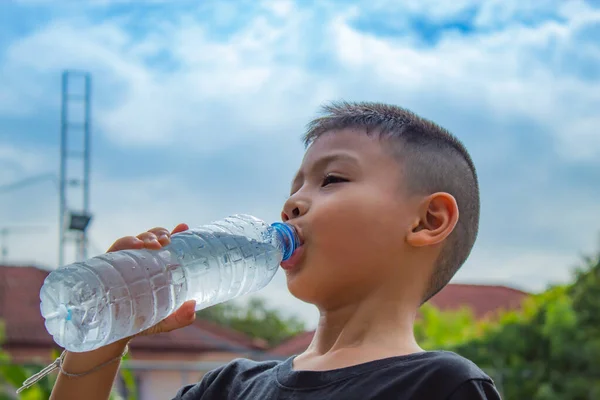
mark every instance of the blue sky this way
{"type": "Point", "coordinates": [198, 112]}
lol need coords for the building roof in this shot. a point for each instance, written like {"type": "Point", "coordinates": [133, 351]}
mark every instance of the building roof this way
{"type": "Point", "coordinates": [294, 345]}
{"type": "Point", "coordinates": [483, 300]}
{"type": "Point", "coordinates": [20, 306]}
{"type": "Point", "coordinates": [24, 325]}
{"type": "Point", "coordinates": [201, 336]}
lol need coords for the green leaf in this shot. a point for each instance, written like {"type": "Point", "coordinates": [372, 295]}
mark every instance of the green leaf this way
{"type": "Point", "coordinates": [255, 319]}
{"type": "Point", "coordinates": [129, 380]}
{"type": "Point", "coordinates": [13, 374]}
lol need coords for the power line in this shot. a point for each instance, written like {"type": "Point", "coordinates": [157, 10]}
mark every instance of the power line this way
{"type": "Point", "coordinates": [29, 181]}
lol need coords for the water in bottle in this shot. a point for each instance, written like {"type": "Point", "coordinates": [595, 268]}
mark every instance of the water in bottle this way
{"type": "Point", "coordinates": [87, 305]}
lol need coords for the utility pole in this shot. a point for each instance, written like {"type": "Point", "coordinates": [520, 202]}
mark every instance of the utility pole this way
{"type": "Point", "coordinates": [75, 216]}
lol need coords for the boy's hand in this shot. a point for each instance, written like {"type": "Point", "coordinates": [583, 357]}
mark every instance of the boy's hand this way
{"type": "Point", "coordinates": [154, 239]}
{"type": "Point", "coordinates": [101, 381]}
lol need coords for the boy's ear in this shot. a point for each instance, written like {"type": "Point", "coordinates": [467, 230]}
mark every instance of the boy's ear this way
{"type": "Point", "coordinates": [436, 219]}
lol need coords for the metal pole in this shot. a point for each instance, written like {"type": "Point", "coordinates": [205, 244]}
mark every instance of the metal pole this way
{"type": "Point", "coordinates": [79, 238]}
{"type": "Point", "coordinates": [86, 162]}
{"type": "Point", "coordinates": [63, 170]}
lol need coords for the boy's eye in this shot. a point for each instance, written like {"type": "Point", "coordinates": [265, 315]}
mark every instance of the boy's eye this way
{"type": "Point", "coordinates": [329, 179]}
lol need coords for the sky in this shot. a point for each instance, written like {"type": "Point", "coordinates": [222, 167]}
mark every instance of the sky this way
{"type": "Point", "coordinates": [198, 109]}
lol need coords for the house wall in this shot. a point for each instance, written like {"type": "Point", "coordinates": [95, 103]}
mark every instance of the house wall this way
{"type": "Point", "coordinates": [155, 383]}
{"type": "Point", "coordinates": [29, 354]}
{"type": "Point", "coordinates": [160, 385]}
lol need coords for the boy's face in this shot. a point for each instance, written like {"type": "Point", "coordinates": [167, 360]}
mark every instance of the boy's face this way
{"type": "Point", "coordinates": [349, 206]}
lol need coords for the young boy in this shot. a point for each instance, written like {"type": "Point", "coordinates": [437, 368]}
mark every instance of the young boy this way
{"type": "Point", "coordinates": [387, 207]}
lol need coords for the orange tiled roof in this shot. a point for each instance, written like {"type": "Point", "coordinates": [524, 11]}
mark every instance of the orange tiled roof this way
{"type": "Point", "coordinates": [483, 300]}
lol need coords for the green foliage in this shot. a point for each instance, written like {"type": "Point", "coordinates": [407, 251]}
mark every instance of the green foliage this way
{"type": "Point", "coordinates": [255, 319]}
{"type": "Point", "coordinates": [549, 350]}
{"type": "Point", "coordinates": [13, 375]}
{"type": "Point", "coordinates": [435, 329]}
{"type": "Point", "coordinates": [129, 380]}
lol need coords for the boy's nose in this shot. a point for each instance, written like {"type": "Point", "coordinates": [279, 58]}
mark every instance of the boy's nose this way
{"type": "Point", "coordinates": [293, 209]}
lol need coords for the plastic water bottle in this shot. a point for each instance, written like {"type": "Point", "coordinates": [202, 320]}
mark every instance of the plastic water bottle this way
{"type": "Point", "coordinates": [90, 304]}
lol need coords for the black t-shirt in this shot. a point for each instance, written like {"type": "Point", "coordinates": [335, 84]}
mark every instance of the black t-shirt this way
{"type": "Point", "coordinates": [429, 376]}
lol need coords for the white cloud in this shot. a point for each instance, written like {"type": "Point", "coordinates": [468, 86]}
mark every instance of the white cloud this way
{"type": "Point", "coordinates": [17, 163]}
{"type": "Point", "coordinates": [501, 72]}
{"type": "Point", "coordinates": [214, 84]}
{"type": "Point", "coordinates": [530, 270]}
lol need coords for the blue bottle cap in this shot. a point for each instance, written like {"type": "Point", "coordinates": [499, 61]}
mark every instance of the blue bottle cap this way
{"type": "Point", "coordinates": [289, 236]}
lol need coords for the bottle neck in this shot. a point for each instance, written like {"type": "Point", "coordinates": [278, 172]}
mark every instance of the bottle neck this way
{"type": "Point", "coordinates": [286, 235]}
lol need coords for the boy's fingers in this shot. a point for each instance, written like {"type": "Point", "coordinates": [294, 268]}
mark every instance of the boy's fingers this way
{"type": "Point", "coordinates": [162, 234]}
{"type": "Point", "coordinates": [150, 240]}
{"type": "Point", "coordinates": [155, 238]}
{"type": "Point", "coordinates": [184, 316]}
{"type": "Point", "coordinates": [180, 228]}
{"type": "Point", "coordinates": [125, 243]}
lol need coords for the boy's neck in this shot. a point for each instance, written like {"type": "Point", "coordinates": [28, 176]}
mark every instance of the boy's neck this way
{"type": "Point", "coordinates": [365, 331]}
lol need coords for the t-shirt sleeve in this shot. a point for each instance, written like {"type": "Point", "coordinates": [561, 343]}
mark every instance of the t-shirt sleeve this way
{"type": "Point", "coordinates": [196, 390]}
{"type": "Point", "coordinates": [476, 389]}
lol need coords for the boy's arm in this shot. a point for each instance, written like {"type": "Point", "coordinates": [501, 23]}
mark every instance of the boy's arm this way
{"type": "Point", "coordinates": [96, 385]}
{"type": "Point", "coordinates": [476, 389]}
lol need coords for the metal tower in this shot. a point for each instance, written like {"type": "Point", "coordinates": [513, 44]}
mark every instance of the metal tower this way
{"type": "Point", "coordinates": [74, 185]}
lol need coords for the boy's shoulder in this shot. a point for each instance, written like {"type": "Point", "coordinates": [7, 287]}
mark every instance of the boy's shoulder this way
{"type": "Point", "coordinates": [466, 380]}
{"type": "Point", "coordinates": [450, 364]}
{"type": "Point", "coordinates": [431, 375]}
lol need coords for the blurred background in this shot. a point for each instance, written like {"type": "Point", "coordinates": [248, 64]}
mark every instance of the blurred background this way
{"type": "Point", "coordinates": [194, 111]}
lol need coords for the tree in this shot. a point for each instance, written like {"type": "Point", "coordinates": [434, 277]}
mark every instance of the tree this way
{"type": "Point", "coordinates": [550, 349]}
{"type": "Point", "coordinates": [435, 329]}
{"type": "Point", "coordinates": [256, 319]}
{"type": "Point", "coordinates": [13, 375]}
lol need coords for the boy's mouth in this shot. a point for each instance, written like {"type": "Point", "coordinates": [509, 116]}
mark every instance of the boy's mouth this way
{"type": "Point", "coordinates": [293, 261]}
{"type": "Point", "coordinates": [299, 235]}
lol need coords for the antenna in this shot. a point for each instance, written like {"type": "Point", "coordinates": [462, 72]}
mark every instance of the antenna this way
{"type": "Point", "coordinates": [75, 215]}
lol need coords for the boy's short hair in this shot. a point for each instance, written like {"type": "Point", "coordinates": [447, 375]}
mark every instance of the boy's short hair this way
{"type": "Point", "coordinates": [433, 160]}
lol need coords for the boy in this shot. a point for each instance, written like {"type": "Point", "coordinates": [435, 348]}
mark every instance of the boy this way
{"type": "Point", "coordinates": [387, 207]}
